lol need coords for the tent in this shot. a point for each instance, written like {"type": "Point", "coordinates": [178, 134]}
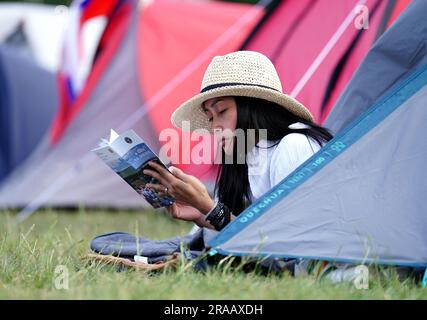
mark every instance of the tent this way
{"type": "Point", "coordinates": [22, 122]}
{"type": "Point", "coordinates": [360, 199]}
{"type": "Point", "coordinates": [154, 60]}
{"type": "Point", "coordinates": [36, 29]}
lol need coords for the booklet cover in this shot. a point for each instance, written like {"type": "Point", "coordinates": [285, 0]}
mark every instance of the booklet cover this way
{"type": "Point", "coordinates": [128, 155]}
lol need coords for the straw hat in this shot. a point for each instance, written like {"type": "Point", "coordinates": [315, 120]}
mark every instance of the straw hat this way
{"type": "Point", "coordinates": [240, 73]}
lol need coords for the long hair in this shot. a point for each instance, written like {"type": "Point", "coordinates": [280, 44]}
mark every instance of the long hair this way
{"type": "Point", "coordinates": [232, 182]}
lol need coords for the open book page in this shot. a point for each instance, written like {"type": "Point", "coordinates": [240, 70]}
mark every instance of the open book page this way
{"type": "Point", "coordinates": [128, 155]}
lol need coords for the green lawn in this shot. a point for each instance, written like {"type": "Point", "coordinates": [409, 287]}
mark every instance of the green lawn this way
{"type": "Point", "coordinates": [31, 251]}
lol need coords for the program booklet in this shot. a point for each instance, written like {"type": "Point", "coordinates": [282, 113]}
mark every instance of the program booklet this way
{"type": "Point", "coordinates": [128, 155]}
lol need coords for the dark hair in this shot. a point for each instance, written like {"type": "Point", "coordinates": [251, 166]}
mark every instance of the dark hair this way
{"type": "Point", "coordinates": [232, 182]}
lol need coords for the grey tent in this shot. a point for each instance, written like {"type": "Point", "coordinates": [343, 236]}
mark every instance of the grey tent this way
{"type": "Point", "coordinates": [361, 198]}
{"type": "Point", "coordinates": [27, 106]}
{"type": "Point", "coordinates": [68, 169]}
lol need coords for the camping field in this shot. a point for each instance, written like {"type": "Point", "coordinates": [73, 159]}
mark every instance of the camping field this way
{"type": "Point", "coordinates": [32, 252]}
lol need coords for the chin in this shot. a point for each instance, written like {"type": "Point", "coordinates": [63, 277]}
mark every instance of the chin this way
{"type": "Point", "coordinates": [228, 150]}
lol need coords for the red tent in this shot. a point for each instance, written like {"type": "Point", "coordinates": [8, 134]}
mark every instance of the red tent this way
{"type": "Point", "coordinates": [317, 45]}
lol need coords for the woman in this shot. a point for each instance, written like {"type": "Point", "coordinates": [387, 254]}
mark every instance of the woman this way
{"type": "Point", "coordinates": [240, 91]}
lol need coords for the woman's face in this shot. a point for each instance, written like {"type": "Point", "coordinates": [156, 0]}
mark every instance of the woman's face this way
{"type": "Point", "coordinates": [222, 114]}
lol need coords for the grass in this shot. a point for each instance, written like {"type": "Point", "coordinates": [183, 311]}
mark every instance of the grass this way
{"type": "Point", "coordinates": [31, 251]}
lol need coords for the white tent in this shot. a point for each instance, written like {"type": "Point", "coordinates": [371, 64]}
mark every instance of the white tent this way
{"type": "Point", "coordinates": [42, 27]}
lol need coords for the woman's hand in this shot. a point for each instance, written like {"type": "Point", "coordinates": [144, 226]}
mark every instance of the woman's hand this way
{"type": "Point", "coordinates": [186, 189]}
{"type": "Point", "coordinates": [183, 212]}
{"type": "Point", "coordinates": [187, 213]}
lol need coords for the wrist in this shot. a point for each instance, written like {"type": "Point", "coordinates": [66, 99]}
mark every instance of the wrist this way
{"type": "Point", "coordinates": [206, 206]}
{"type": "Point", "coordinates": [201, 221]}
{"type": "Point", "coordinates": [219, 216]}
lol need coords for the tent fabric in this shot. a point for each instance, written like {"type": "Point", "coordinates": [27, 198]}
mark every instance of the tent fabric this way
{"type": "Point", "coordinates": [346, 66]}
{"type": "Point", "coordinates": [392, 58]}
{"type": "Point", "coordinates": [89, 20]}
{"type": "Point", "coordinates": [291, 39]}
{"type": "Point", "coordinates": [73, 100]}
{"type": "Point", "coordinates": [23, 122]}
{"type": "Point", "coordinates": [397, 10]}
{"type": "Point", "coordinates": [359, 199]}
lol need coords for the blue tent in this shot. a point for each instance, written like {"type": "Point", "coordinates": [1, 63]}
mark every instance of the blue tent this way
{"type": "Point", "coordinates": [27, 106]}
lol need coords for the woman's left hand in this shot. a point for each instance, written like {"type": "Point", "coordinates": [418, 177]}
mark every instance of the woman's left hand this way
{"type": "Point", "coordinates": [186, 189]}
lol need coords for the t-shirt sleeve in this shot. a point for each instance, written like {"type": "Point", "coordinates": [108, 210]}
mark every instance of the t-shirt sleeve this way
{"type": "Point", "coordinates": [291, 152]}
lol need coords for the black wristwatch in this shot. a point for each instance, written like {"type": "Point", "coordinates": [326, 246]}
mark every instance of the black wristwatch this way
{"type": "Point", "coordinates": [219, 216]}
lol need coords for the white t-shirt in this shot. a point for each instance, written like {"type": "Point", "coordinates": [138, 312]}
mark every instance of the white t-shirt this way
{"type": "Point", "coordinates": [268, 166]}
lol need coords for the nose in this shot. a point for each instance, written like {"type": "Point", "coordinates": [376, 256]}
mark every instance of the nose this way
{"type": "Point", "coordinates": [216, 125]}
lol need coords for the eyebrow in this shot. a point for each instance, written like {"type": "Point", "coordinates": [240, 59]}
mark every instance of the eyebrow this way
{"type": "Point", "coordinates": [213, 104]}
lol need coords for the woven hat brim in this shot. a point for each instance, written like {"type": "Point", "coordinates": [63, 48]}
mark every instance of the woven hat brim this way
{"type": "Point", "coordinates": [191, 110]}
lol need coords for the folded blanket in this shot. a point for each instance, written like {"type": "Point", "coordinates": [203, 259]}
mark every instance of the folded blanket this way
{"type": "Point", "coordinates": [126, 246]}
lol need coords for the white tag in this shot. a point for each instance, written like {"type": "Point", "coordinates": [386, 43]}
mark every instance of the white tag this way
{"type": "Point", "coordinates": [141, 259]}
